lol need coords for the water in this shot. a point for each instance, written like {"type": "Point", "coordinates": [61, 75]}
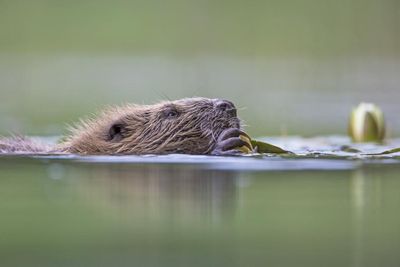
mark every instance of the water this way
{"type": "Point", "coordinates": [198, 211]}
{"type": "Point", "coordinates": [291, 68]}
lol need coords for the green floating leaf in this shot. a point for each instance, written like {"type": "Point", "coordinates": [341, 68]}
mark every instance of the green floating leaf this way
{"type": "Point", "coordinates": [391, 151]}
{"type": "Point", "coordinates": [263, 147]}
{"type": "Point", "coordinates": [349, 149]}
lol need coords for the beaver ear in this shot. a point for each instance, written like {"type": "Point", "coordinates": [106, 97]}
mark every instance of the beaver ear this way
{"type": "Point", "coordinates": [115, 133]}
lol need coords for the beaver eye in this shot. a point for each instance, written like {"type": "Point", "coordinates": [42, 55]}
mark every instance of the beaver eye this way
{"type": "Point", "coordinates": [171, 113]}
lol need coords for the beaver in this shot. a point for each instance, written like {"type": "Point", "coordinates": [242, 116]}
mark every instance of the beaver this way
{"type": "Point", "coordinates": [187, 126]}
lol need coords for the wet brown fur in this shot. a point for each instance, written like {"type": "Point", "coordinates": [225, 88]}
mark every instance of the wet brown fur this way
{"type": "Point", "coordinates": [189, 126]}
{"type": "Point", "coordinates": [21, 144]}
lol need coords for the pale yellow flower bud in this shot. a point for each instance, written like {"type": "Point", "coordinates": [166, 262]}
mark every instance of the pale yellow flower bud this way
{"type": "Point", "coordinates": [367, 123]}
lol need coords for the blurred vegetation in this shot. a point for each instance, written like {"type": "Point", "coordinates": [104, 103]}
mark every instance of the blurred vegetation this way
{"type": "Point", "coordinates": [272, 28]}
{"type": "Point", "coordinates": [62, 59]}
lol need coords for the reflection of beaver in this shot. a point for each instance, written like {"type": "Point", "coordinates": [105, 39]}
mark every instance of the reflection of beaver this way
{"type": "Point", "coordinates": [190, 126]}
{"type": "Point", "coordinates": [155, 191]}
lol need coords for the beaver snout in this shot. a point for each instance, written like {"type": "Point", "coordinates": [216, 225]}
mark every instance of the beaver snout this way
{"type": "Point", "coordinates": [226, 106]}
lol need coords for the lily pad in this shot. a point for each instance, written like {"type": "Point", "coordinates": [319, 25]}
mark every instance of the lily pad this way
{"type": "Point", "coordinates": [349, 149]}
{"type": "Point", "coordinates": [391, 151]}
{"type": "Point", "coordinates": [262, 147]}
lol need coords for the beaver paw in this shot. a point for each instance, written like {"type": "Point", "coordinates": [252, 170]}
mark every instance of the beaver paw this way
{"type": "Point", "coordinates": [229, 143]}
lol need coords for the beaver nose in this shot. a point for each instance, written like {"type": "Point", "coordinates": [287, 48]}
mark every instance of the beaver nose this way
{"type": "Point", "coordinates": [226, 106]}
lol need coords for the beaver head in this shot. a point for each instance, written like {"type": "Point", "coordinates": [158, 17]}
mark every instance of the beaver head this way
{"type": "Point", "coordinates": [189, 126]}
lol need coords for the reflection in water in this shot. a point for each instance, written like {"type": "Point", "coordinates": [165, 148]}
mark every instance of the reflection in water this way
{"type": "Point", "coordinates": [161, 193]}
{"type": "Point", "coordinates": [359, 194]}
{"type": "Point", "coordinates": [63, 213]}
{"type": "Point", "coordinates": [367, 200]}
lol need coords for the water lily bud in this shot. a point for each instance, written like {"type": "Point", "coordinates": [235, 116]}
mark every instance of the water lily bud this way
{"type": "Point", "coordinates": [245, 149]}
{"type": "Point", "coordinates": [367, 123]}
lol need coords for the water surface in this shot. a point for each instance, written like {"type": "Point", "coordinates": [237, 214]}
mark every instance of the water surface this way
{"type": "Point", "coordinates": [198, 211]}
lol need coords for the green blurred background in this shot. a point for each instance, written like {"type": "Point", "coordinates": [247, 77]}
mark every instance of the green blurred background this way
{"type": "Point", "coordinates": [292, 67]}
